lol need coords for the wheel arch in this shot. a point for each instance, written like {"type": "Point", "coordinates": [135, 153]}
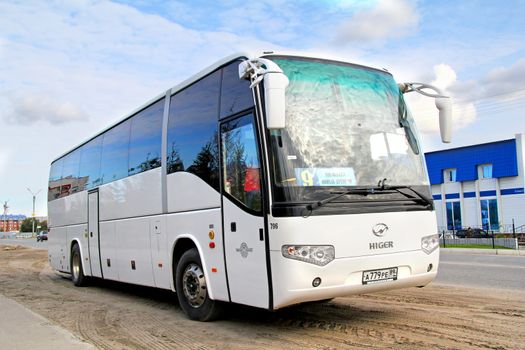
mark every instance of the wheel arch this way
{"type": "Point", "coordinates": [71, 245]}
{"type": "Point", "coordinates": [182, 244]}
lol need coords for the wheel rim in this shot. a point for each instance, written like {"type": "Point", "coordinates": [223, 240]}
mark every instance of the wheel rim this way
{"type": "Point", "coordinates": [76, 266]}
{"type": "Point", "coordinates": [194, 285]}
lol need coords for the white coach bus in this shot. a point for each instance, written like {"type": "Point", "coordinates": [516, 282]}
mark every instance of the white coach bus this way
{"type": "Point", "coordinates": [265, 180]}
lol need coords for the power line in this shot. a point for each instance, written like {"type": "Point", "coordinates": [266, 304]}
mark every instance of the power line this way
{"type": "Point", "coordinates": [479, 107]}
{"type": "Point", "coordinates": [481, 113]}
{"type": "Point", "coordinates": [503, 93]}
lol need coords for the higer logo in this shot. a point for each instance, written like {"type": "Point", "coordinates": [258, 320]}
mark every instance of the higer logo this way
{"type": "Point", "coordinates": [381, 245]}
{"type": "Point", "coordinates": [380, 229]}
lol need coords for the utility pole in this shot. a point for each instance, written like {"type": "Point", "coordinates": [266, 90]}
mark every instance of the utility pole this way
{"type": "Point", "coordinates": [6, 207]}
{"type": "Point", "coordinates": [33, 214]}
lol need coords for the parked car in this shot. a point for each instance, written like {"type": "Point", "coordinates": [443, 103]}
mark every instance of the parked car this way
{"type": "Point", "coordinates": [448, 235]}
{"type": "Point", "coordinates": [42, 236]}
{"type": "Point", "coordinates": [472, 233]}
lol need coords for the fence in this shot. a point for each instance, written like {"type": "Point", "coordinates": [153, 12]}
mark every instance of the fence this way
{"type": "Point", "coordinates": [493, 242]}
{"type": "Point", "coordinates": [508, 231]}
{"type": "Point", "coordinates": [8, 235]}
{"type": "Point", "coordinates": [11, 235]}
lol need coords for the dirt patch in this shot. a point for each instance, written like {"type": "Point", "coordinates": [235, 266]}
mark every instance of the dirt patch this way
{"type": "Point", "coordinates": [120, 316]}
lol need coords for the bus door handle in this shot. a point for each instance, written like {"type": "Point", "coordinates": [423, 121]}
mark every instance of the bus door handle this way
{"type": "Point", "coordinates": [261, 234]}
{"type": "Point", "coordinates": [233, 227]}
{"type": "Point", "coordinates": [91, 234]}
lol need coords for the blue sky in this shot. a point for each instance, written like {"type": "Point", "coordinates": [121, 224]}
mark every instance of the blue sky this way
{"type": "Point", "coordinates": [71, 68]}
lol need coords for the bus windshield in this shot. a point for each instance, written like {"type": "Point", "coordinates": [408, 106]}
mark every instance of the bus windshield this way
{"type": "Point", "coordinates": [346, 126]}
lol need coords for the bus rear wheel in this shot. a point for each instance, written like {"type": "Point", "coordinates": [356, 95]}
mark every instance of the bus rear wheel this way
{"type": "Point", "coordinates": [77, 273]}
{"type": "Point", "coordinates": [192, 290]}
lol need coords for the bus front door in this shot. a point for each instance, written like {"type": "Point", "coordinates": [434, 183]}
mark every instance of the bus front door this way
{"type": "Point", "coordinates": [243, 219]}
{"type": "Point", "coordinates": [93, 234]}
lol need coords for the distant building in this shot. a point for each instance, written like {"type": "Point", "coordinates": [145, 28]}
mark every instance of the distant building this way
{"type": "Point", "coordinates": [41, 218]}
{"type": "Point", "coordinates": [11, 222]}
{"type": "Point", "coordinates": [480, 185]}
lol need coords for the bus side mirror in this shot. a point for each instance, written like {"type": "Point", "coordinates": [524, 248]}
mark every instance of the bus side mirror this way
{"type": "Point", "coordinates": [275, 83]}
{"type": "Point", "coordinates": [444, 106]}
{"type": "Point", "coordinates": [274, 99]}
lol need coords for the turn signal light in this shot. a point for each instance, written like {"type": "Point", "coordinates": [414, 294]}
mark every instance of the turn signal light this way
{"type": "Point", "coordinates": [430, 243]}
{"type": "Point", "coordinates": [314, 254]}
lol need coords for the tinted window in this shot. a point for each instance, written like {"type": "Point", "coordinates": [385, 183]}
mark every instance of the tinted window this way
{"type": "Point", "coordinates": [56, 170]}
{"type": "Point", "coordinates": [145, 139]}
{"type": "Point", "coordinates": [70, 165]}
{"type": "Point", "coordinates": [90, 163]}
{"type": "Point", "coordinates": [192, 130]}
{"type": "Point", "coordinates": [241, 162]}
{"type": "Point", "coordinates": [54, 180]}
{"type": "Point", "coordinates": [70, 183]}
{"type": "Point", "coordinates": [114, 163]}
{"type": "Point", "coordinates": [453, 215]}
{"type": "Point", "coordinates": [236, 94]}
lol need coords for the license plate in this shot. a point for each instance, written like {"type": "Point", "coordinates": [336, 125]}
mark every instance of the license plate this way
{"type": "Point", "coordinates": [381, 275]}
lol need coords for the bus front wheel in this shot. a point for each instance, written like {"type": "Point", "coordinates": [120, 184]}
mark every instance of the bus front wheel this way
{"type": "Point", "coordinates": [77, 273]}
{"type": "Point", "coordinates": [192, 290]}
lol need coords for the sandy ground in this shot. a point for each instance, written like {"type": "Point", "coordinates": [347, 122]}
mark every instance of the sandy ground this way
{"type": "Point", "coordinates": [120, 316]}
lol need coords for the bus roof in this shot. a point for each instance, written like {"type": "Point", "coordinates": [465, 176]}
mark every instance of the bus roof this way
{"type": "Point", "coordinates": [208, 70]}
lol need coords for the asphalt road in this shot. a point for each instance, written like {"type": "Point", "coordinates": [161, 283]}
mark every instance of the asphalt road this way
{"type": "Point", "coordinates": [485, 271]}
{"type": "Point", "coordinates": [26, 242]}
{"type": "Point", "coordinates": [461, 270]}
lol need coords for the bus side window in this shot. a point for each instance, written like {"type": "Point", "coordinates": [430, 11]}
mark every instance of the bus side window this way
{"type": "Point", "coordinates": [114, 159]}
{"type": "Point", "coordinates": [241, 162]}
{"type": "Point", "coordinates": [145, 139]}
{"type": "Point", "coordinates": [236, 95]}
{"type": "Point", "coordinates": [192, 130]}
{"type": "Point", "coordinates": [54, 180]}
{"type": "Point", "coordinates": [70, 181]}
{"type": "Point", "coordinates": [89, 173]}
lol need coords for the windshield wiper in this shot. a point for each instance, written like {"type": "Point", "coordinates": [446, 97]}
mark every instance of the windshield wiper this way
{"type": "Point", "coordinates": [382, 186]}
{"type": "Point", "coordinates": [365, 191]}
{"type": "Point", "coordinates": [421, 196]}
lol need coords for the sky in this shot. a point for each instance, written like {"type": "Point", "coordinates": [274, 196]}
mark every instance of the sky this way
{"type": "Point", "coordinates": [68, 69]}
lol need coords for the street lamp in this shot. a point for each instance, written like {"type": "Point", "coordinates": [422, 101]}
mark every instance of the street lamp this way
{"type": "Point", "coordinates": [34, 198]}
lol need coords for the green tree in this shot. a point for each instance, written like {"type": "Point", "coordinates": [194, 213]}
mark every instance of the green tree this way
{"type": "Point", "coordinates": [27, 225]}
{"type": "Point", "coordinates": [206, 164]}
{"type": "Point", "coordinates": [43, 225]}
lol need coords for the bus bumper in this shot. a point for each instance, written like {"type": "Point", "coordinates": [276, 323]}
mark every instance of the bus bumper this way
{"type": "Point", "coordinates": [293, 280]}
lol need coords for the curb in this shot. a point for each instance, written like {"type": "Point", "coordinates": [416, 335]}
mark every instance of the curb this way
{"type": "Point", "coordinates": [510, 252]}
{"type": "Point", "coordinates": [24, 329]}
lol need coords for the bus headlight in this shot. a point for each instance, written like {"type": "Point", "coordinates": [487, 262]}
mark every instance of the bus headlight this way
{"type": "Point", "coordinates": [313, 254]}
{"type": "Point", "coordinates": [430, 243]}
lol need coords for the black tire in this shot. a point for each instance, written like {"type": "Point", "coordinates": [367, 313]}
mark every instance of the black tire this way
{"type": "Point", "coordinates": [315, 302]}
{"type": "Point", "coordinates": [190, 284]}
{"type": "Point", "coordinates": [324, 301]}
{"type": "Point", "coordinates": [77, 273]}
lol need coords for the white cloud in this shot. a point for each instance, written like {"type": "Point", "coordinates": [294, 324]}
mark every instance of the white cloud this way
{"type": "Point", "coordinates": [501, 84]}
{"type": "Point", "coordinates": [425, 112]}
{"type": "Point", "coordinates": [4, 160]}
{"type": "Point", "coordinates": [34, 108]}
{"type": "Point", "coordinates": [506, 79]}
{"type": "Point", "coordinates": [445, 76]}
{"type": "Point", "coordinates": [388, 19]}
{"type": "Point", "coordinates": [65, 61]}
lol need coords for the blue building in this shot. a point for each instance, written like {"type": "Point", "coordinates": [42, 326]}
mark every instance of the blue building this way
{"type": "Point", "coordinates": [480, 185]}
{"type": "Point", "coordinates": [10, 223]}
